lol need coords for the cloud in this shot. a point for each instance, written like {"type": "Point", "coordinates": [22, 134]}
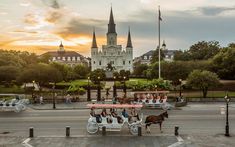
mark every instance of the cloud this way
{"type": "Point", "coordinates": [31, 19]}
{"type": "Point", "coordinates": [53, 16]}
{"type": "Point", "coordinates": [213, 11]}
{"type": "Point", "coordinates": [78, 26]}
{"type": "Point", "coordinates": [52, 3]}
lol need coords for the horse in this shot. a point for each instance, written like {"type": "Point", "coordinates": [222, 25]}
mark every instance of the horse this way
{"type": "Point", "coordinates": [153, 119]}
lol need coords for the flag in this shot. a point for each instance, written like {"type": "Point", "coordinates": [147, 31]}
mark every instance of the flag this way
{"type": "Point", "coordinates": [160, 17]}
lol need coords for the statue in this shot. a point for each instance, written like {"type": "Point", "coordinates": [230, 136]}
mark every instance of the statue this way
{"type": "Point", "coordinates": [110, 67]}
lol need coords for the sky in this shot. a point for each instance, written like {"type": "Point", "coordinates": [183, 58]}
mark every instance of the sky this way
{"type": "Point", "coordinates": [38, 26]}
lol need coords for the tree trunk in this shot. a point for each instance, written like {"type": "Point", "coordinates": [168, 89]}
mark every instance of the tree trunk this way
{"type": "Point", "coordinates": [204, 92]}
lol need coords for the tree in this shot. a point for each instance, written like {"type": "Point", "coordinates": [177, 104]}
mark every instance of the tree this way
{"type": "Point", "coordinates": [62, 68]}
{"type": "Point", "coordinates": [203, 80]}
{"type": "Point", "coordinates": [81, 71]}
{"type": "Point", "coordinates": [223, 63]}
{"type": "Point", "coordinates": [182, 56]}
{"type": "Point", "coordinates": [8, 74]}
{"type": "Point", "coordinates": [204, 50]}
{"type": "Point", "coordinates": [138, 69]}
{"type": "Point", "coordinates": [40, 73]}
{"type": "Point", "coordinates": [97, 73]}
{"type": "Point", "coordinates": [156, 55]}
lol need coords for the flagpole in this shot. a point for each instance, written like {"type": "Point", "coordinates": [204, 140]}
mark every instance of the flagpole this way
{"type": "Point", "coordinates": [159, 41]}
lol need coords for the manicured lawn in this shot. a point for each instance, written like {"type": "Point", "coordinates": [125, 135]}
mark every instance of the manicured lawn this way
{"type": "Point", "coordinates": [14, 89]}
{"type": "Point", "coordinates": [198, 94]}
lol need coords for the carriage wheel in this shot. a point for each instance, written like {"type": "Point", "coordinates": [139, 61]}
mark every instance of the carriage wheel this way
{"type": "Point", "coordinates": [92, 127]}
{"type": "Point", "coordinates": [134, 129]}
{"type": "Point", "coordinates": [17, 109]}
{"type": "Point", "coordinates": [164, 107]}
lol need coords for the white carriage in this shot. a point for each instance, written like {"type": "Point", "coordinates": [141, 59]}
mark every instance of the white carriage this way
{"type": "Point", "coordinates": [93, 126]}
{"type": "Point", "coordinates": [13, 102]}
{"type": "Point", "coordinates": [152, 99]}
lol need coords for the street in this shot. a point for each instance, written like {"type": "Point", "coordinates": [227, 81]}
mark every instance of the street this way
{"type": "Point", "coordinates": [194, 119]}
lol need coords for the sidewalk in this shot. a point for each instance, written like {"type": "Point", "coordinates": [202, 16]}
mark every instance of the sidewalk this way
{"type": "Point", "coordinates": [60, 106]}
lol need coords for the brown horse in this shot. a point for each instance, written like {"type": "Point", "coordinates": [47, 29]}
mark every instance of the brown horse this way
{"type": "Point", "coordinates": [153, 119]}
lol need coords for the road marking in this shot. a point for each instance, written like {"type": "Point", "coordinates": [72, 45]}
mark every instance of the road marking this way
{"type": "Point", "coordinates": [180, 142]}
{"type": "Point", "coordinates": [26, 143]}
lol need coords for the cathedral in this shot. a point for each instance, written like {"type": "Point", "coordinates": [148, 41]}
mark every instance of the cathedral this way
{"type": "Point", "coordinates": [112, 52]}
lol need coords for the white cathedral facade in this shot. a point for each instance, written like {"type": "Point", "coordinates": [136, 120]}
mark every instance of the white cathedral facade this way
{"type": "Point", "coordinates": [112, 52]}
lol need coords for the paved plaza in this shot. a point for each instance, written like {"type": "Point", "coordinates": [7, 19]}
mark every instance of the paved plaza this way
{"type": "Point", "coordinates": [201, 125]}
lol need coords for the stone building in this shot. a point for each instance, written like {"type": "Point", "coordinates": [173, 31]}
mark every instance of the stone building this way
{"type": "Point", "coordinates": [112, 53]}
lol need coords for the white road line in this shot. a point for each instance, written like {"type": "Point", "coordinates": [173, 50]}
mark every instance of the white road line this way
{"type": "Point", "coordinates": [26, 143]}
{"type": "Point", "coordinates": [180, 142]}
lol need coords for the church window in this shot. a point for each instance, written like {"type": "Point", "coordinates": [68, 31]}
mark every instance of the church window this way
{"type": "Point", "coordinates": [99, 62]}
{"type": "Point", "coordinates": [129, 62]}
{"type": "Point", "coordinates": [118, 52]}
{"type": "Point", "coordinates": [123, 62]}
{"type": "Point", "coordinates": [93, 62]}
{"type": "Point", "coordinates": [104, 53]}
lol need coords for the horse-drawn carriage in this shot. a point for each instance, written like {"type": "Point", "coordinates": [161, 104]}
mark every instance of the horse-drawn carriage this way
{"type": "Point", "coordinates": [152, 99]}
{"type": "Point", "coordinates": [113, 122]}
{"type": "Point", "coordinates": [13, 102]}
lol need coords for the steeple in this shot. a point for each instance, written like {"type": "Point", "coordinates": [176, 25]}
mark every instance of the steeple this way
{"type": "Point", "coordinates": [61, 47]}
{"type": "Point", "coordinates": [129, 43]}
{"type": "Point", "coordinates": [163, 44]}
{"type": "Point", "coordinates": [94, 44]}
{"type": "Point", "coordinates": [111, 25]}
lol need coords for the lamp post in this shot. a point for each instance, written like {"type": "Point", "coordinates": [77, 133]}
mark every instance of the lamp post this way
{"type": "Point", "coordinates": [98, 91]}
{"type": "Point", "coordinates": [180, 80]}
{"type": "Point", "coordinates": [34, 98]}
{"type": "Point", "coordinates": [54, 107]}
{"type": "Point", "coordinates": [227, 99]}
{"type": "Point", "coordinates": [114, 87]}
{"type": "Point", "coordinates": [88, 90]}
{"type": "Point", "coordinates": [124, 86]}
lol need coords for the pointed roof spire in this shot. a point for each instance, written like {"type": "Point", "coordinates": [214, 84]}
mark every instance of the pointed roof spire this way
{"type": "Point", "coordinates": [94, 44]}
{"type": "Point", "coordinates": [61, 44]}
{"type": "Point", "coordinates": [129, 43]}
{"type": "Point", "coordinates": [163, 44]}
{"type": "Point", "coordinates": [111, 25]}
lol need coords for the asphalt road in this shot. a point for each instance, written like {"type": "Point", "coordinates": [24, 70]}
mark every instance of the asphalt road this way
{"type": "Point", "coordinates": [195, 119]}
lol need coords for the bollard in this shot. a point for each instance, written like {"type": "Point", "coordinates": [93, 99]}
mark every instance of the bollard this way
{"type": "Point", "coordinates": [103, 130]}
{"type": "Point", "coordinates": [176, 130]}
{"type": "Point", "coordinates": [31, 132]}
{"type": "Point", "coordinates": [139, 131]}
{"type": "Point", "coordinates": [67, 131]}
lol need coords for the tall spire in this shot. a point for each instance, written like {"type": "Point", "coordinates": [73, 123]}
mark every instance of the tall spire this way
{"type": "Point", "coordinates": [111, 25]}
{"type": "Point", "coordinates": [94, 44]}
{"type": "Point", "coordinates": [129, 43]}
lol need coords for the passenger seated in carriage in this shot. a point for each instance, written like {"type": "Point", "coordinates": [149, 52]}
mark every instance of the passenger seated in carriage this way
{"type": "Point", "coordinates": [97, 116]}
{"type": "Point", "coordinates": [134, 113]}
{"type": "Point", "coordinates": [124, 113]}
{"type": "Point", "coordinates": [104, 113]}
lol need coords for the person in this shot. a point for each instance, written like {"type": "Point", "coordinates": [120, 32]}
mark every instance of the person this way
{"type": "Point", "coordinates": [124, 113]}
{"type": "Point", "coordinates": [134, 113]}
{"type": "Point", "coordinates": [107, 93]}
{"type": "Point", "coordinates": [104, 113]}
{"type": "Point", "coordinates": [68, 99]}
{"type": "Point", "coordinates": [103, 100]}
{"type": "Point", "coordinates": [41, 100]}
{"type": "Point", "coordinates": [97, 116]}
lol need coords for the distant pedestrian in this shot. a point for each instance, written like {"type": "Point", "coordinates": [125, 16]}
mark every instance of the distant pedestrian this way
{"type": "Point", "coordinates": [41, 100]}
{"type": "Point", "coordinates": [68, 99]}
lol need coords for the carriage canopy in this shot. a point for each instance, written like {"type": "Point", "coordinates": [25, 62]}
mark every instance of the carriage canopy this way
{"type": "Point", "coordinates": [114, 105]}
